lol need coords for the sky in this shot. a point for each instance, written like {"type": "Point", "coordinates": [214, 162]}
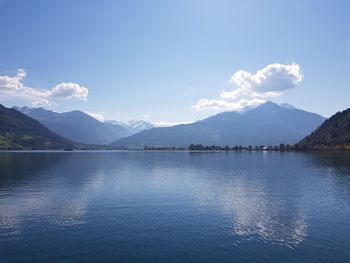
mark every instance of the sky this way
{"type": "Point", "coordinates": [171, 62]}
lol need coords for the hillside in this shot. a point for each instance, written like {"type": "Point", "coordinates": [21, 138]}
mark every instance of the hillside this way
{"type": "Point", "coordinates": [18, 131]}
{"type": "Point", "coordinates": [334, 132]}
{"type": "Point", "coordinates": [268, 124]}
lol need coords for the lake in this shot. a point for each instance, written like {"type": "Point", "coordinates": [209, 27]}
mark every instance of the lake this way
{"type": "Point", "coordinates": [174, 207]}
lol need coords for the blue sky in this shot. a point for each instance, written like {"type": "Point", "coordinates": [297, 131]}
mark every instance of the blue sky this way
{"type": "Point", "coordinates": [155, 60]}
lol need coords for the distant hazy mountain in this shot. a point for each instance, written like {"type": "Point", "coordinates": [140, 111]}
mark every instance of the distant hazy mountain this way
{"type": "Point", "coordinates": [134, 126]}
{"type": "Point", "coordinates": [268, 124]}
{"type": "Point", "coordinates": [18, 131]}
{"type": "Point", "coordinates": [333, 132]}
{"type": "Point", "coordinates": [77, 126]}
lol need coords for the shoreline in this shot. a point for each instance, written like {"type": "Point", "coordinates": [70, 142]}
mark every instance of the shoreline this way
{"type": "Point", "coordinates": [183, 150]}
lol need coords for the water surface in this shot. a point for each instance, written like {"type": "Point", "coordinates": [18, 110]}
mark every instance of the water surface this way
{"type": "Point", "coordinates": [174, 207]}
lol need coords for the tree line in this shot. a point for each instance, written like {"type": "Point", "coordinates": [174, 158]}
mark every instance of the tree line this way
{"type": "Point", "coordinates": [201, 147]}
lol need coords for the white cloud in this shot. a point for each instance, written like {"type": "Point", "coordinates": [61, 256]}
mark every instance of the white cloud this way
{"type": "Point", "coordinates": [226, 105]}
{"type": "Point", "coordinates": [41, 103]}
{"type": "Point", "coordinates": [274, 78]}
{"type": "Point", "coordinates": [253, 89]}
{"type": "Point", "coordinates": [13, 83]}
{"type": "Point", "coordinates": [69, 90]}
{"type": "Point", "coordinates": [13, 87]}
{"type": "Point", "coordinates": [98, 116]}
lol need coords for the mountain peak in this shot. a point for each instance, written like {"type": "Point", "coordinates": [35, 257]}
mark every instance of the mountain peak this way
{"type": "Point", "coordinates": [268, 105]}
{"type": "Point", "coordinates": [269, 102]}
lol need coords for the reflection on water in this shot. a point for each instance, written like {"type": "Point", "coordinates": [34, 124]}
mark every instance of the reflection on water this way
{"type": "Point", "coordinates": [192, 203]}
{"type": "Point", "coordinates": [253, 212]}
{"type": "Point", "coordinates": [41, 190]}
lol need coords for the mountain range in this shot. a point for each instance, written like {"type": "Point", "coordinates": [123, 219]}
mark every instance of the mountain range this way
{"type": "Point", "coordinates": [80, 127]}
{"type": "Point", "coordinates": [267, 124]}
{"type": "Point", "coordinates": [18, 131]}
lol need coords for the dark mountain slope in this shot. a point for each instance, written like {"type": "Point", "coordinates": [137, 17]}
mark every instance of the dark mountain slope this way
{"type": "Point", "coordinates": [333, 132]}
{"type": "Point", "coordinates": [18, 131]}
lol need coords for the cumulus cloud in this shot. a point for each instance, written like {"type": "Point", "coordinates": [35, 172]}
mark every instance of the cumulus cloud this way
{"type": "Point", "coordinates": [13, 87]}
{"type": "Point", "coordinates": [13, 83]}
{"type": "Point", "coordinates": [253, 89]}
{"type": "Point", "coordinates": [69, 90]}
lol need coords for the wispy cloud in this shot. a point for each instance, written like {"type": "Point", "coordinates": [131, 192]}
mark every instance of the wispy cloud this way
{"type": "Point", "coordinates": [253, 89]}
{"type": "Point", "coordinates": [13, 87]}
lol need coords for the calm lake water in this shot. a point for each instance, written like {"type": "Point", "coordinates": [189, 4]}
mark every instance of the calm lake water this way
{"type": "Point", "coordinates": [174, 207]}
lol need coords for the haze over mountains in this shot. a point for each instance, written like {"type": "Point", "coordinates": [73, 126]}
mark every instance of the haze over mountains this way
{"type": "Point", "coordinates": [81, 127]}
{"type": "Point", "coordinates": [267, 124]}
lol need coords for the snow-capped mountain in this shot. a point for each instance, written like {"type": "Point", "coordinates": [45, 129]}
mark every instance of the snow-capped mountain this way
{"type": "Point", "coordinates": [133, 126]}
